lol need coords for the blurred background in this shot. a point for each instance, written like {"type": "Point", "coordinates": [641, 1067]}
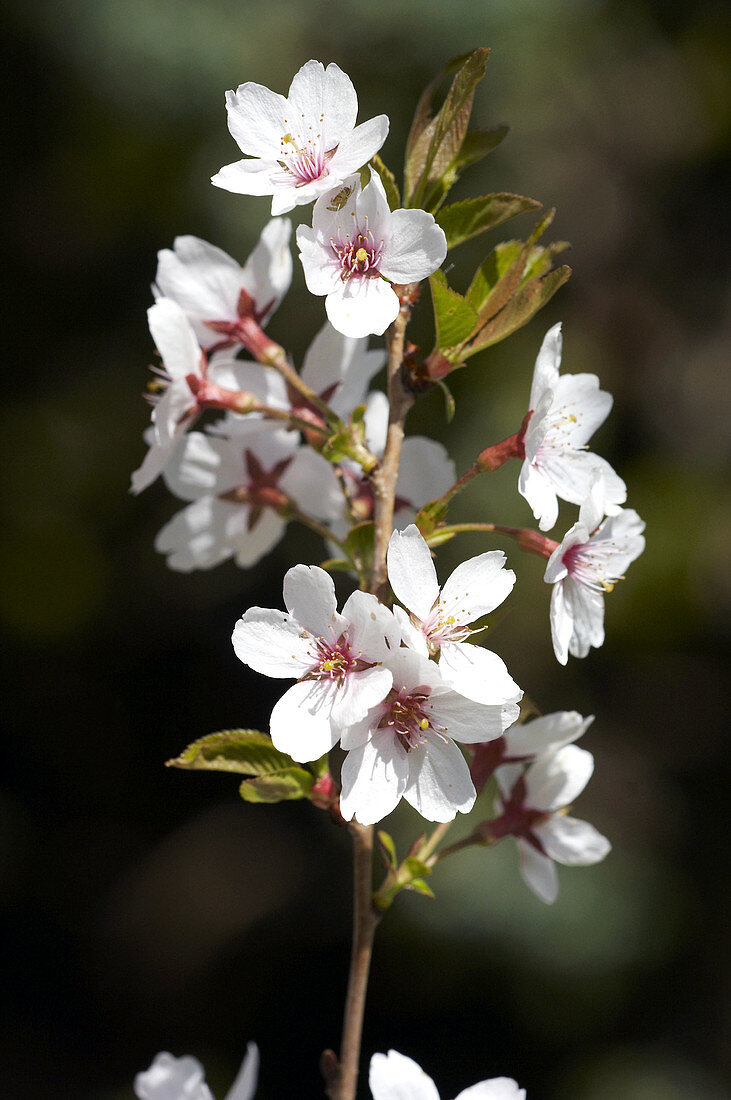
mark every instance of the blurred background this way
{"type": "Point", "coordinates": [145, 909]}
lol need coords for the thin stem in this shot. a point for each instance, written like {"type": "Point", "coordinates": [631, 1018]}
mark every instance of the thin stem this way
{"type": "Point", "coordinates": [435, 839]}
{"type": "Point", "coordinates": [385, 476]}
{"type": "Point", "coordinates": [365, 920]}
{"type": "Point", "coordinates": [526, 538]}
{"type": "Point", "coordinates": [466, 842]}
{"type": "Point", "coordinates": [314, 524]}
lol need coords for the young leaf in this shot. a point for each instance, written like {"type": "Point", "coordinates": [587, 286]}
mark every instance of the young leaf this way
{"type": "Point", "coordinates": [464, 220]}
{"type": "Point", "coordinates": [492, 270]}
{"type": "Point", "coordinates": [519, 310]}
{"type": "Point", "coordinates": [440, 140]}
{"type": "Point", "coordinates": [430, 515]}
{"type": "Point", "coordinates": [282, 786]}
{"type": "Point", "coordinates": [450, 405]}
{"type": "Point", "coordinates": [248, 752]}
{"type": "Point", "coordinates": [388, 848]}
{"type": "Point", "coordinates": [359, 546]}
{"type": "Point", "coordinates": [421, 887]}
{"type": "Point", "coordinates": [389, 182]}
{"type": "Point", "coordinates": [540, 260]}
{"type": "Point", "coordinates": [454, 317]}
{"type": "Point", "coordinates": [476, 145]}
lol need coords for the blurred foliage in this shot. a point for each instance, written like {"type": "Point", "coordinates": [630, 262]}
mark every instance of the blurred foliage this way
{"type": "Point", "coordinates": [144, 909]}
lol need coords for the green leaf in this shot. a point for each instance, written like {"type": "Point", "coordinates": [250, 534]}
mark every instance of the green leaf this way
{"type": "Point", "coordinates": [497, 278]}
{"type": "Point", "coordinates": [437, 142]}
{"type": "Point", "coordinates": [337, 565]}
{"type": "Point", "coordinates": [282, 786]}
{"type": "Point", "coordinates": [430, 515]}
{"type": "Point", "coordinates": [454, 317]}
{"type": "Point", "coordinates": [388, 847]}
{"type": "Point", "coordinates": [421, 887]}
{"type": "Point", "coordinates": [450, 406]}
{"type": "Point", "coordinates": [412, 866]}
{"type": "Point", "coordinates": [438, 538]}
{"type": "Point", "coordinates": [321, 767]}
{"type": "Point", "coordinates": [477, 144]}
{"type": "Point", "coordinates": [463, 220]}
{"type": "Point", "coordinates": [519, 310]}
{"type": "Point", "coordinates": [248, 752]}
{"type": "Point", "coordinates": [349, 442]}
{"type": "Point", "coordinates": [540, 260]}
{"type": "Point", "coordinates": [389, 182]}
{"type": "Point", "coordinates": [359, 547]}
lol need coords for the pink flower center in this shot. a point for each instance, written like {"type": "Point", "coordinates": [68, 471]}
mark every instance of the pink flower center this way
{"type": "Point", "coordinates": [589, 563]}
{"type": "Point", "coordinates": [302, 155]}
{"type": "Point", "coordinates": [408, 714]}
{"type": "Point", "coordinates": [336, 660]}
{"type": "Point", "coordinates": [440, 628]}
{"type": "Point", "coordinates": [358, 255]}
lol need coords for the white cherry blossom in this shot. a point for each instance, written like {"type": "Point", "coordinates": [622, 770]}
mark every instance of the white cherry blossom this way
{"type": "Point", "coordinates": [566, 411]}
{"type": "Point", "coordinates": [393, 1076]}
{"type": "Point", "coordinates": [301, 145]}
{"type": "Point", "coordinates": [357, 247]}
{"type": "Point", "coordinates": [237, 482]}
{"type": "Point", "coordinates": [440, 618]}
{"type": "Point", "coordinates": [589, 561]}
{"type": "Point", "coordinates": [338, 658]}
{"type": "Point", "coordinates": [207, 283]}
{"type": "Point", "coordinates": [174, 407]}
{"type": "Point", "coordinates": [170, 1078]}
{"type": "Point", "coordinates": [405, 747]}
{"type": "Point", "coordinates": [532, 809]}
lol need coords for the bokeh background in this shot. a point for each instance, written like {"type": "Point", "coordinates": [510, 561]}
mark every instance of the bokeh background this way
{"type": "Point", "coordinates": [145, 909]}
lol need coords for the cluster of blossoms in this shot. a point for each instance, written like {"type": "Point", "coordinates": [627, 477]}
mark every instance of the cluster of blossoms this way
{"type": "Point", "coordinates": [394, 680]}
{"type": "Point", "coordinates": [392, 1076]}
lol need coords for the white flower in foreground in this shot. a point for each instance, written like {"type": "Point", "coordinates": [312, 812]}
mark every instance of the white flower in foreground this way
{"type": "Point", "coordinates": [207, 283]}
{"type": "Point", "coordinates": [524, 740]}
{"type": "Point", "coordinates": [175, 408]}
{"type": "Point", "coordinates": [357, 247]}
{"type": "Point", "coordinates": [566, 411]}
{"type": "Point", "coordinates": [405, 746]}
{"type": "Point", "coordinates": [393, 1076]}
{"type": "Point", "coordinates": [589, 561]}
{"type": "Point", "coordinates": [170, 1078]}
{"type": "Point", "coordinates": [439, 620]}
{"type": "Point", "coordinates": [337, 658]}
{"type": "Point", "coordinates": [303, 144]}
{"type": "Point", "coordinates": [531, 809]}
{"type": "Point", "coordinates": [238, 485]}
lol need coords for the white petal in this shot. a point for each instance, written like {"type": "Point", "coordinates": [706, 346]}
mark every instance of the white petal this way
{"type": "Point", "coordinates": [257, 119]}
{"type": "Point", "coordinates": [572, 842]}
{"type": "Point", "coordinates": [360, 692]}
{"type": "Point", "coordinates": [498, 1088]}
{"type": "Point", "coordinates": [204, 465]}
{"type": "Point", "coordinates": [170, 1078]}
{"type": "Point", "coordinates": [579, 400]}
{"type": "Point", "coordinates": [477, 673]}
{"type": "Point", "coordinates": [204, 280]}
{"type": "Point", "coordinates": [555, 779]}
{"type": "Point", "coordinates": [570, 476]}
{"type": "Point", "coordinates": [151, 466]}
{"type": "Point", "coordinates": [326, 98]}
{"type": "Point", "coordinates": [309, 596]}
{"type": "Point", "coordinates": [271, 642]}
{"type": "Point", "coordinates": [312, 483]}
{"type": "Point", "coordinates": [267, 273]}
{"type": "Point", "coordinates": [411, 670]}
{"type": "Point", "coordinates": [322, 273]}
{"type": "Point", "coordinates": [593, 507]}
{"type": "Point", "coordinates": [244, 1085]}
{"type": "Point", "coordinates": [621, 537]}
{"type": "Point", "coordinates": [252, 544]}
{"type": "Point", "coordinates": [536, 487]}
{"type": "Point", "coordinates": [174, 338]}
{"type": "Point", "coordinates": [360, 307]}
{"type": "Point", "coordinates": [439, 782]}
{"type": "Point", "coordinates": [538, 872]}
{"type": "Point", "coordinates": [545, 372]}
{"type": "Point", "coordinates": [374, 779]}
{"type": "Point", "coordinates": [238, 374]}
{"type": "Point", "coordinates": [247, 177]}
{"type": "Point", "coordinates": [547, 733]}
{"type": "Point", "coordinates": [476, 587]}
{"type": "Point", "coordinates": [392, 1076]}
{"type": "Point", "coordinates": [201, 535]}
{"type": "Point", "coordinates": [357, 147]}
{"type": "Point", "coordinates": [372, 631]}
{"type": "Point", "coordinates": [467, 721]}
{"type": "Point", "coordinates": [300, 723]}
{"type": "Point", "coordinates": [416, 247]}
{"type": "Point", "coordinates": [410, 635]}
{"type": "Point", "coordinates": [426, 471]}
{"type": "Point", "coordinates": [341, 366]}
{"type": "Point", "coordinates": [411, 571]}
{"type": "Point", "coordinates": [376, 424]}
{"type": "Point", "coordinates": [586, 609]}
{"type": "Point", "coordinates": [562, 622]}
{"type": "Point", "coordinates": [506, 776]}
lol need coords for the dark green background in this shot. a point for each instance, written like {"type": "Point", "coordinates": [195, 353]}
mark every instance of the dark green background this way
{"type": "Point", "coordinates": [142, 908]}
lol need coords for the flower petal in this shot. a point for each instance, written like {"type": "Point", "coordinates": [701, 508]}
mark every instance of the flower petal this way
{"type": "Point", "coordinates": [555, 779]}
{"type": "Point", "coordinates": [170, 1078]}
{"type": "Point", "coordinates": [498, 1088]}
{"type": "Point", "coordinates": [374, 778]}
{"type": "Point", "coordinates": [341, 365]}
{"type": "Point", "coordinates": [572, 842]}
{"type": "Point", "coordinates": [267, 273]}
{"type": "Point", "coordinates": [203, 465]}
{"type": "Point", "coordinates": [271, 642]}
{"type": "Point", "coordinates": [393, 1076]}
{"type": "Point", "coordinates": [360, 692]}
{"type": "Point", "coordinates": [247, 177]}
{"type": "Point", "coordinates": [174, 338]}
{"type": "Point", "coordinates": [537, 488]}
{"type": "Point", "coordinates": [309, 596]}
{"type": "Point", "coordinates": [439, 782]}
{"type": "Point", "coordinates": [300, 723]}
{"type": "Point", "coordinates": [322, 272]}
{"type": "Point", "coordinates": [201, 536]}
{"type": "Point", "coordinates": [477, 673]}
{"type": "Point", "coordinates": [545, 372]}
{"type": "Point", "coordinates": [413, 638]}
{"type": "Point", "coordinates": [251, 544]}
{"type": "Point", "coordinates": [538, 872]}
{"type": "Point", "coordinates": [323, 97]}
{"type": "Point", "coordinates": [411, 571]}
{"type": "Point", "coordinates": [312, 483]}
{"type": "Point", "coordinates": [244, 1085]}
{"type": "Point", "coordinates": [257, 119]}
{"type": "Point", "coordinates": [547, 733]}
{"type": "Point", "coordinates": [204, 281]}
{"type": "Point", "coordinates": [467, 721]}
{"type": "Point", "coordinates": [361, 307]}
{"type": "Point", "coordinates": [357, 147]}
{"type": "Point", "coordinates": [415, 247]}
{"type": "Point", "coordinates": [476, 587]}
{"type": "Point", "coordinates": [373, 631]}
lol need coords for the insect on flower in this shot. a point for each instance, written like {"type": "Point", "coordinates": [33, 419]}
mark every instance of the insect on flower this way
{"type": "Point", "coordinates": [337, 202]}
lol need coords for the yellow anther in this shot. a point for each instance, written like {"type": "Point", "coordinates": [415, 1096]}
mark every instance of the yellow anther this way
{"type": "Point", "coordinates": [361, 256]}
{"type": "Point", "coordinates": [424, 724]}
{"type": "Point", "coordinates": [607, 586]}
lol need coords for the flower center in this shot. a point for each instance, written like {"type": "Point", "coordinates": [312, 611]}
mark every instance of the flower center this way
{"type": "Point", "coordinates": [301, 153]}
{"type": "Point", "coordinates": [440, 628]}
{"type": "Point", "coordinates": [357, 255]}
{"type": "Point", "coordinates": [589, 564]}
{"type": "Point", "coordinates": [409, 715]}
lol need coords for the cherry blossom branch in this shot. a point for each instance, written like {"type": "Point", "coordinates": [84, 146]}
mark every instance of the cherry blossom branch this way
{"type": "Point", "coordinates": [384, 478]}
{"type": "Point", "coordinates": [210, 396]}
{"type": "Point", "coordinates": [365, 919]}
{"type": "Point", "coordinates": [526, 537]}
